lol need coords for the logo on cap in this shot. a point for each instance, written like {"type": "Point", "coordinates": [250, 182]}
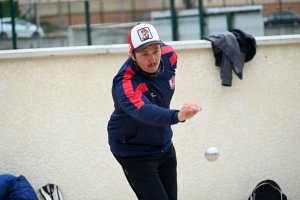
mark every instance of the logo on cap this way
{"type": "Point", "coordinates": [144, 34]}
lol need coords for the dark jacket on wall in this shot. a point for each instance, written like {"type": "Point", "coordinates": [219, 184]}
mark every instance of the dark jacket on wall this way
{"type": "Point", "coordinates": [231, 50]}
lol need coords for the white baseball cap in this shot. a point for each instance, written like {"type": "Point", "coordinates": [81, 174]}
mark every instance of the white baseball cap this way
{"type": "Point", "coordinates": [142, 36]}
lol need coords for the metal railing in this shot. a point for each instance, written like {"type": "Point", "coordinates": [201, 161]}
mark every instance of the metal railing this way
{"type": "Point", "coordinates": [59, 18]}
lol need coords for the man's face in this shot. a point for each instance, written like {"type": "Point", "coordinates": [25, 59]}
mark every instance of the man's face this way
{"type": "Point", "coordinates": [149, 58]}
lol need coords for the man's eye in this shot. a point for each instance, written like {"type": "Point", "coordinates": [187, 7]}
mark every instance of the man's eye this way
{"type": "Point", "coordinates": [144, 54]}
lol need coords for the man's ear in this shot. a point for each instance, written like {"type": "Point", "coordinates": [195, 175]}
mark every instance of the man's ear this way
{"type": "Point", "coordinates": [131, 55]}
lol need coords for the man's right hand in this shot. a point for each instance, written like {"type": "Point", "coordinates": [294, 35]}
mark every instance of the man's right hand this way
{"type": "Point", "coordinates": [188, 111]}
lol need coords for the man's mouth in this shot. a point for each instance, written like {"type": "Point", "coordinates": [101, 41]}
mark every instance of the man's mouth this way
{"type": "Point", "coordinates": [152, 65]}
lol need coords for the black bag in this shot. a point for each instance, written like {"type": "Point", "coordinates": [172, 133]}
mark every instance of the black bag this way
{"type": "Point", "coordinates": [267, 190]}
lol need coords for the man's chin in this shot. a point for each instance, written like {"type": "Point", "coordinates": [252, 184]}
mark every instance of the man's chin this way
{"type": "Point", "coordinates": [152, 69]}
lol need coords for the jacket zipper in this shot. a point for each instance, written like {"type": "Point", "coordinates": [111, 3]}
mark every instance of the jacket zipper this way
{"type": "Point", "coordinates": [162, 105]}
{"type": "Point", "coordinates": [163, 92]}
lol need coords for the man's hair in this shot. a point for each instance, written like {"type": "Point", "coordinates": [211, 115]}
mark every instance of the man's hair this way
{"type": "Point", "coordinates": [133, 52]}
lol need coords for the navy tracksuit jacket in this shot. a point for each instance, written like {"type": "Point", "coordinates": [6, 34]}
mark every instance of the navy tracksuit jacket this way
{"type": "Point", "coordinates": [141, 122]}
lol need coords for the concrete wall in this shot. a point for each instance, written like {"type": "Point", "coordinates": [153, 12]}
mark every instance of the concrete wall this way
{"type": "Point", "coordinates": [55, 104]}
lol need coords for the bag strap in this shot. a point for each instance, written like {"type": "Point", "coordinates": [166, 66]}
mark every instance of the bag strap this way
{"type": "Point", "coordinates": [58, 193]}
{"type": "Point", "coordinates": [47, 191]}
{"type": "Point", "coordinates": [51, 192]}
{"type": "Point", "coordinates": [252, 197]}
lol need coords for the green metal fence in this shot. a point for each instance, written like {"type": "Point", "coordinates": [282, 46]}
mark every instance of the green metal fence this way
{"type": "Point", "coordinates": [65, 22]}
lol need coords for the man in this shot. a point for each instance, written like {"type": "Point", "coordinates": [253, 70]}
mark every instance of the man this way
{"type": "Point", "coordinates": [139, 129]}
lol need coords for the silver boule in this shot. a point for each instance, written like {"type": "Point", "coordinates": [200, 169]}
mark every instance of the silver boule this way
{"type": "Point", "coordinates": [212, 154]}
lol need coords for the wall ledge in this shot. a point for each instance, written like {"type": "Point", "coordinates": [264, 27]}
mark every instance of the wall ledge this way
{"type": "Point", "coordinates": [123, 48]}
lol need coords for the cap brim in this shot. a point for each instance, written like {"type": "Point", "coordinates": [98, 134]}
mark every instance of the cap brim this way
{"type": "Point", "coordinates": [142, 47]}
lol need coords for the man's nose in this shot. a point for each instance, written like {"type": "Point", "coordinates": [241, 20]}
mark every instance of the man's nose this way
{"type": "Point", "coordinates": [152, 58]}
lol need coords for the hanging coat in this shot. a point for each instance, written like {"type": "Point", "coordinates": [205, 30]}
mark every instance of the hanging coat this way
{"type": "Point", "coordinates": [231, 50]}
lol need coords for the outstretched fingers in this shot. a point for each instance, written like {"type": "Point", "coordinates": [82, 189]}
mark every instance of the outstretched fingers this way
{"type": "Point", "coordinates": [188, 110]}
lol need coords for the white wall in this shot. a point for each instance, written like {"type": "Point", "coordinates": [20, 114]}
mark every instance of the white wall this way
{"type": "Point", "coordinates": [55, 104]}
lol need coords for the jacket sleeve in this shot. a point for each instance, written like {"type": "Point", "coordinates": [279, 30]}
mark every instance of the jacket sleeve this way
{"type": "Point", "coordinates": [138, 106]}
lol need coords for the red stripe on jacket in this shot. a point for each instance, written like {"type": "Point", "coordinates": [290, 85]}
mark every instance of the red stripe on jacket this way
{"type": "Point", "coordinates": [135, 97]}
{"type": "Point", "coordinates": [168, 49]}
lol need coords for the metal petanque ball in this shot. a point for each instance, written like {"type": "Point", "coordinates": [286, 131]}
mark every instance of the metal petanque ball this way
{"type": "Point", "coordinates": [212, 154]}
